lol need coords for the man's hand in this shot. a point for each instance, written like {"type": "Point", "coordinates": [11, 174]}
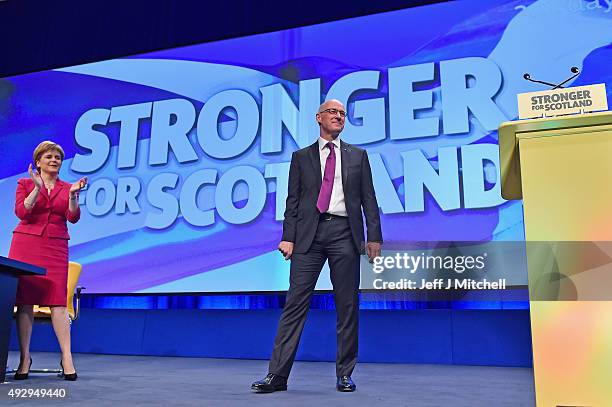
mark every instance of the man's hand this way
{"type": "Point", "coordinates": [286, 248]}
{"type": "Point", "coordinates": [373, 249]}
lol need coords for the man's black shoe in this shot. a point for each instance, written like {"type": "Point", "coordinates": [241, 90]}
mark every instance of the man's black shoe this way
{"type": "Point", "coordinates": [270, 383]}
{"type": "Point", "coordinates": [345, 383]}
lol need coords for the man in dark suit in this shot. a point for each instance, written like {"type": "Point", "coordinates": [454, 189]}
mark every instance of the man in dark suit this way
{"type": "Point", "coordinates": [330, 183]}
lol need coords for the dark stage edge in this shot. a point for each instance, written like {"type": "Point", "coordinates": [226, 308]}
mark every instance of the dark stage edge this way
{"type": "Point", "coordinates": [111, 380]}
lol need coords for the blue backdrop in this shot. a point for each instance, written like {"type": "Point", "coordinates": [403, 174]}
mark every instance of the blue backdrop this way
{"type": "Point", "coordinates": [187, 149]}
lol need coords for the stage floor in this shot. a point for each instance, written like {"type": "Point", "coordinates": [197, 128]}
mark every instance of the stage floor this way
{"type": "Point", "coordinates": [111, 380]}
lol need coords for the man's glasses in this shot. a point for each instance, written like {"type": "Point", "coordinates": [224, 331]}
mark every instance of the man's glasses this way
{"type": "Point", "coordinates": [334, 112]}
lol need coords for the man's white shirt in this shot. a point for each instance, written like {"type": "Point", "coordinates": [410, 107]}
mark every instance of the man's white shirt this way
{"type": "Point", "coordinates": [336, 204]}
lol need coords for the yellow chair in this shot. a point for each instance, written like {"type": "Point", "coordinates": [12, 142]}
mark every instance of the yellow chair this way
{"type": "Point", "coordinates": [73, 306]}
{"type": "Point", "coordinates": [74, 272]}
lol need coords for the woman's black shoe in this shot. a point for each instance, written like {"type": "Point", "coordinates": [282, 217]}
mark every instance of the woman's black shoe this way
{"type": "Point", "coordinates": [22, 376]}
{"type": "Point", "coordinates": [68, 376]}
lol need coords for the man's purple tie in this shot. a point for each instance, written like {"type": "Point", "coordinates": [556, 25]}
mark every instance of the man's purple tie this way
{"type": "Point", "coordinates": [328, 180]}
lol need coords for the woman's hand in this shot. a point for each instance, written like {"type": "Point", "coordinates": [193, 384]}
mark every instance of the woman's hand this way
{"type": "Point", "coordinates": [77, 186]}
{"type": "Point", "coordinates": [35, 176]}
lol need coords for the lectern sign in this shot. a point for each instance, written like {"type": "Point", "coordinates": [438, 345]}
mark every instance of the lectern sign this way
{"type": "Point", "coordinates": [557, 102]}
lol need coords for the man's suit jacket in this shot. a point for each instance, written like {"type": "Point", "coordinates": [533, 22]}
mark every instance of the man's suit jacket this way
{"type": "Point", "coordinates": [301, 213]}
{"type": "Point", "coordinates": [48, 211]}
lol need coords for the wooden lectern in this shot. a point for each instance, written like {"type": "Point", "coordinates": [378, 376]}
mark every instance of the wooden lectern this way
{"type": "Point", "coordinates": [9, 271]}
{"type": "Point", "coordinates": [562, 169]}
